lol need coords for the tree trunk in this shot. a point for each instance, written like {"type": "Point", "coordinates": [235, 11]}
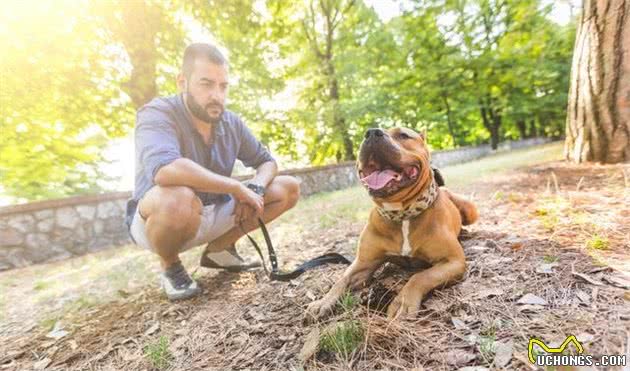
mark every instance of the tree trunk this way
{"type": "Point", "coordinates": [533, 133]}
{"type": "Point", "coordinates": [522, 128]}
{"type": "Point", "coordinates": [598, 112]}
{"type": "Point", "coordinates": [492, 122]}
{"type": "Point", "coordinates": [449, 120]}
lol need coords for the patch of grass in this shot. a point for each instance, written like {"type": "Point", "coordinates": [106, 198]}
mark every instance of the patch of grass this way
{"type": "Point", "coordinates": [47, 323]}
{"type": "Point", "coordinates": [348, 302]}
{"type": "Point", "coordinates": [158, 353]}
{"type": "Point", "coordinates": [486, 347]}
{"type": "Point", "coordinates": [550, 210]}
{"type": "Point", "coordinates": [344, 339]}
{"type": "Point", "coordinates": [597, 242]}
{"type": "Point", "coordinates": [41, 285]}
{"type": "Point", "coordinates": [550, 259]}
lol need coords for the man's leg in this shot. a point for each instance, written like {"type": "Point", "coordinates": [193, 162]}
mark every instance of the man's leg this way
{"type": "Point", "coordinates": [281, 195]}
{"type": "Point", "coordinates": [171, 218]}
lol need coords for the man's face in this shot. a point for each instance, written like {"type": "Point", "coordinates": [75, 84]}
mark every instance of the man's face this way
{"type": "Point", "coordinates": [206, 90]}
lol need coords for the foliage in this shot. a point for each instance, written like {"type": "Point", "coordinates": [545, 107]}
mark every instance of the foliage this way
{"type": "Point", "coordinates": [309, 76]}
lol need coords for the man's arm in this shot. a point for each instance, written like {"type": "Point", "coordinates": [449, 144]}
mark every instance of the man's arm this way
{"type": "Point", "coordinates": [265, 173]}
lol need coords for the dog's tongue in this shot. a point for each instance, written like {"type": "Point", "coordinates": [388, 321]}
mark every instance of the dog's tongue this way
{"type": "Point", "coordinates": [379, 179]}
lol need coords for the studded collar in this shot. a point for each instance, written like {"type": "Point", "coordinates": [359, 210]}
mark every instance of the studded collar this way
{"type": "Point", "coordinates": [396, 213]}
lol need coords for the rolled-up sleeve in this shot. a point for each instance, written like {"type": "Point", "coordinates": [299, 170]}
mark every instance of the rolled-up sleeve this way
{"type": "Point", "coordinates": [252, 152]}
{"type": "Point", "coordinates": [156, 142]}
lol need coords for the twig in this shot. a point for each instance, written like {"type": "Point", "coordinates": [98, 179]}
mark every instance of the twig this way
{"type": "Point", "coordinates": [585, 277]}
{"type": "Point", "coordinates": [577, 189]}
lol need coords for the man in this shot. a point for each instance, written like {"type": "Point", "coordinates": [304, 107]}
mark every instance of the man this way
{"type": "Point", "coordinates": [186, 146]}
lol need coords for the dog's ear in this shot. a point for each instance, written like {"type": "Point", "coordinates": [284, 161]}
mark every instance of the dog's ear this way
{"type": "Point", "coordinates": [423, 133]}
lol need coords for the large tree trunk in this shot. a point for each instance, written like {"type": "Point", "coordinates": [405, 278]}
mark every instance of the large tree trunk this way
{"type": "Point", "coordinates": [598, 113]}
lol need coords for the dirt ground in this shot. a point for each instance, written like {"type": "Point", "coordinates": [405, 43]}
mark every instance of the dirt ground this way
{"type": "Point", "coordinates": [549, 258]}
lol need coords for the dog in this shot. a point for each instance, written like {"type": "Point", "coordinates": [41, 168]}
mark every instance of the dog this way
{"type": "Point", "coordinates": [413, 218]}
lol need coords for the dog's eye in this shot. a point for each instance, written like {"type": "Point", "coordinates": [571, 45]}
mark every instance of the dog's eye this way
{"type": "Point", "coordinates": [403, 136]}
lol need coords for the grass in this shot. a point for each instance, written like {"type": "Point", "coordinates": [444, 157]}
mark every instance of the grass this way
{"type": "Point", "coordinates": [597, 242]}
{"type": "Point", "coordinates": [348, 302]}
{"type": "Point", "coordinates": [158, 353]}
{"type": "Point", "coordinates": [343, 339]}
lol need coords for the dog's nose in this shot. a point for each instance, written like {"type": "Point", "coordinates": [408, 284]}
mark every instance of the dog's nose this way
{"type": "Point", "coordinates": [376, 132]}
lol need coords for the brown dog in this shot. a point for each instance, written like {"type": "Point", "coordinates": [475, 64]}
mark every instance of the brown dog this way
{"type": "Point", "coordinates": [413, 217]}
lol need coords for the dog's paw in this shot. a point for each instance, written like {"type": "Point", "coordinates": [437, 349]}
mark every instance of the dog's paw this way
{"type": "Point", "coordinates": [317, 310]}
{"type": "Point", "coordinates": [403, 306]}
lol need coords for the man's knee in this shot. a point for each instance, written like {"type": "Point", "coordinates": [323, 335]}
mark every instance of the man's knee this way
{"type": "Point", "coordinates": [175, 207]}
{"type": "Point", "coordinates": [291, 190]}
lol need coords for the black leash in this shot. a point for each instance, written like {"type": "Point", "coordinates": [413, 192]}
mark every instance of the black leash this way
{"type": "Point", "coordinates": [276, 274]}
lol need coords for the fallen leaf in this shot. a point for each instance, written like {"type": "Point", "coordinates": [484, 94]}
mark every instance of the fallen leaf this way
{"type": "Point", "coordinates": [546, 268]}
{"type": "Point", "coordinates": [476, 249]}
{"type": "Point", "coordinates": [179, 342]}
{"type": "Point", "coordinates": [459, 357]}
{"type": "Point", "coordinates": [311, 344]}
{"type": "Point", "coordinates": [626, 295]}
{"type": "Point", "coordinates": [585, 337]}
{"type": "Point", "coordinates": [503, 353]}
{"type": "Point", "coordinates": [584, 297]}
{"type": "Point", "coordinates": [585, 278]}
{"type": "Point", "coordinates": [617, 281]}
{"type": "Point", "coordinates": [287, 337]}
{"type": "Point", "coordinates": [152, 329]}
{"type": "Point", "coordinates": [530, 308]}
{"type": "Point", "coordinates": [516, 246]}
{"type": "Point", "coordinates": [459, 324]}
{"type": "Point", "coordinates": [532, 299]}
{"type": "Point", "coordinates": [489, 292]}
{"type": "Point", "coordinates": [42, 364]}
{"type": "Point", "coordinates": [57, 332]}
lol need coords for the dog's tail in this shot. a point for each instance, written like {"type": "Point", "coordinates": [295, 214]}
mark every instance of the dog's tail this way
{"type": "Point", "coordinates": [467, 209]}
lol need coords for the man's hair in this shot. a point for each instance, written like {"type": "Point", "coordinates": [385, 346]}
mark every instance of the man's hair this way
{"type": "Point", "coordinates": [201, 50]}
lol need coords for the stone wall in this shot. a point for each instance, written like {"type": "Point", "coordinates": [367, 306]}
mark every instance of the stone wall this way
{"type": "Point", "coordinates": [57, 229]}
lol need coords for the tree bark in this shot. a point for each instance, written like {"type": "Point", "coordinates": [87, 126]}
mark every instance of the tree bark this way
{"type": "Point", "coordinates": [598, 112]}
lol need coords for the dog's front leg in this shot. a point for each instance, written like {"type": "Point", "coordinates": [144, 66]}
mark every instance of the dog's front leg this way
{"type": "Point", "coordinates": [407, 302]}
{"type": "Point", "coordinates": [354, 276]}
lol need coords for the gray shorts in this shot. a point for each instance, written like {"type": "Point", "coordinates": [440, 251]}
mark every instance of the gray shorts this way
{"type": "Point", "coordinates": [215, 221]}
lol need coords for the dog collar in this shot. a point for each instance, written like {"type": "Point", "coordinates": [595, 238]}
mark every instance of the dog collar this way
{"type": "Point", "coordinates": [396, 213]}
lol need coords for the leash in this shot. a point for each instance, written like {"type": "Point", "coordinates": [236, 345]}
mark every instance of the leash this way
{"type": "Point", "coordinates": [275, 274]}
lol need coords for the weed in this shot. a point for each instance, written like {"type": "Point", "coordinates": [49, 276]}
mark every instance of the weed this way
{"type": "Point", "coordinates": [344, 339]}
{"type": "Point", "coordinates": [158, 353]}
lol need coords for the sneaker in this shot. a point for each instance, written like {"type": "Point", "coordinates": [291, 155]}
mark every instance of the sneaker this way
{"type": "Point", "coordinates": [227, 259]}
{"type": "Point", "coordinates": [177, 283]}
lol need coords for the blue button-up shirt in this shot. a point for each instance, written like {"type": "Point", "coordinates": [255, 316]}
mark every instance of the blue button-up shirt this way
{"type": "Point", "coordinates": [165, 132]}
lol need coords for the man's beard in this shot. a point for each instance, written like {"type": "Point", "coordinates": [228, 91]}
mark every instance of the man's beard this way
{"type": "Point", "coordinates": [202, 113]}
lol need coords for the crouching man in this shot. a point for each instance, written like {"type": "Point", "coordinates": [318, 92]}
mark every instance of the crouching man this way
{"type": "Point", "coordinates": [186, 147]}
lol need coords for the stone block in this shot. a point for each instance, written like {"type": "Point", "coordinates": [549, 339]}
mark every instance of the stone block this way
{"type": "Point", "coordinates": [10, 237]}
{"type": "Point", "coordinates": [86, 212]}
{"type": "Point", "coordinates": [67, 217]}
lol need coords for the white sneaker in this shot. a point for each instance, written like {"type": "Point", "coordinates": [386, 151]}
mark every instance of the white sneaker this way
{"type": "Point", "coordinates": [177, 283]}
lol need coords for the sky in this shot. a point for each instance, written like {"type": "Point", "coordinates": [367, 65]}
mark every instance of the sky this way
{"type": "Point", "coordinates": [121, 150]}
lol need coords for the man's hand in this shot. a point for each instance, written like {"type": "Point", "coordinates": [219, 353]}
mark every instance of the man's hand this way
{"type": "Point", "coordinates": [249, 204]}
{"type": "Point", "coordinates": [244, 212]}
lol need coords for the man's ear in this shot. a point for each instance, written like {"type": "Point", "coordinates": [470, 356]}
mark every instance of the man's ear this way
{"type": "Point", "coordinates": [181, 82]}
